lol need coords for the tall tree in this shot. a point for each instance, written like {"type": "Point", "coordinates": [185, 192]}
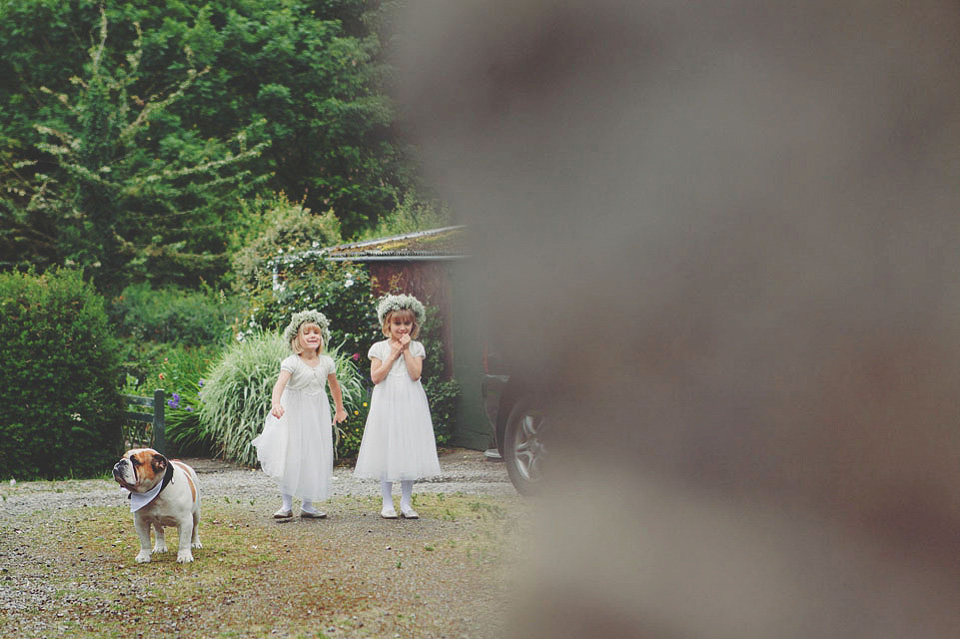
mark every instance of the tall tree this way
{"type": "Point", "coordinates": [314, 71]}
{"type": "Point", "coordinates": [211, 76]}
{"type": "Point", "coordinates": [128, 192]}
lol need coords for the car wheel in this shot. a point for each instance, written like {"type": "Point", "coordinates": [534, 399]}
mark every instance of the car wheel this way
{"type": "Point", "coordinates": [524, 448]}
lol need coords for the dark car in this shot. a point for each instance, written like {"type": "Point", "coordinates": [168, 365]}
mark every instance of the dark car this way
{"type": "Point", "coordinates": [515, 413]}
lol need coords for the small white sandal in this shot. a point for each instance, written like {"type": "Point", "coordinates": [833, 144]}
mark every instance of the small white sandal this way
{"type": "Point", "coordinates": [408, 513]}
{"type": "Point", "coordinates": [388, 512]}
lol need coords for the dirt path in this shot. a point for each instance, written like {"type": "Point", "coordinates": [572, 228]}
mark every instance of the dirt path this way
{"type": "Point", "coordinates": [66, 568]}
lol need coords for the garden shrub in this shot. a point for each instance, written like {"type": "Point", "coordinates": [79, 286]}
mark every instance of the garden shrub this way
{"type": "Point", "coordinates": [443, 393]}
{"type": "Point", "coordinates": [172, 315]}
{"type": "Point", "coordinates": [180, 371]}
{"type": "Point", "coordinates": [235, 398]}
{"type": "Point", "coordinates": [276, 227]}
{"type": "Point", "coordinates": [169, 337]}
{"type": "Point", "coordinates": [444, 399]}
{"type": "Point", "coordinates": [340, 290]}
{"type": "Point", "coordinates": [414, 212]}
{"type": "Point", "coordinates": [60, 408]}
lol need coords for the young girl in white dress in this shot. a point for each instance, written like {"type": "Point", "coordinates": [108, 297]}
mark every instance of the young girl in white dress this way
{"type": "Point", "coordinates": [296, 445]}
{"type": "Point", "coordinates": [398, 442]}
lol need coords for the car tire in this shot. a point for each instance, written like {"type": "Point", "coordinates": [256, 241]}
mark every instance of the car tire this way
{"type": "Point", "coordinates": [524, 448]}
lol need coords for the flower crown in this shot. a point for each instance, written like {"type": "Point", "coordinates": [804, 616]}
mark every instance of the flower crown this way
{"type": "Point", "coordinates": [390, 303]}
{"type": "Point", "coordinates": [305, 317]}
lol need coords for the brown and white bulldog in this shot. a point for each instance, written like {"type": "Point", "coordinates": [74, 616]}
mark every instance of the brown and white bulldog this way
{"type": "Point", "coordinates": [162, 493]}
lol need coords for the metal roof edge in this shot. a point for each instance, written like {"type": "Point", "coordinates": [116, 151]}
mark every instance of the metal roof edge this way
{"type": "Point", "coordinates": [395, 238]}
{"type": "Point", "coordinates": [395, 258]}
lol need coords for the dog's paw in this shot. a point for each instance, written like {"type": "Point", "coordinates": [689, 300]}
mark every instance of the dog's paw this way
{"type": "Point", "coordinates": [184, 557]}
{"type": "Point", "coordinates": [196, 544]}
{"type": "Point", "coordinates": [142, 557]}
{"type": "Point", "coordinates": [160, 548]}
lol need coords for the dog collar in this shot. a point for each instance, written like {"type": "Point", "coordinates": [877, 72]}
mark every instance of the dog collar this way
{"type": "Point", "coordinates": [139, 500]}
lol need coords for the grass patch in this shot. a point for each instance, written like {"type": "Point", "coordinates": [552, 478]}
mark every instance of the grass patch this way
{"type": "Point", "coordinates": [353, 574]}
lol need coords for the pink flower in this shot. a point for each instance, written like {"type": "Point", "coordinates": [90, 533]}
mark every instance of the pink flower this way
{"type": "Point", "coordinates": [355, 356]}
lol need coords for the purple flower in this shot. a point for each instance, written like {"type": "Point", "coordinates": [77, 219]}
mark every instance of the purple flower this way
{"type": "Point", "coordinates": [189, 409]}
{"type": "Point", "coordinates": [200, 383]}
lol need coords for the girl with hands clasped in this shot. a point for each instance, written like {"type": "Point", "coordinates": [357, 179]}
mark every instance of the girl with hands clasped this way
{"type": "Point", "coordinates": [398, 442]}
{"type": "Point", "coordinates": [296, 445]}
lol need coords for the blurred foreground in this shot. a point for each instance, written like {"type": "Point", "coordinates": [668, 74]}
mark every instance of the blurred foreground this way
{"type": "Point", "coordinates": [725, 240]}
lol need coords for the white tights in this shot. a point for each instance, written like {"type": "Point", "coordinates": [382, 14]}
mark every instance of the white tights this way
{"type": "Point", "coordinates": [288, 503]}
{"type": "Point", "coordinates": [406, 493]}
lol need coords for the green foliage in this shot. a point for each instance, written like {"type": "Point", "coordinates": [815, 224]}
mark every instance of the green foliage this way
{"type": "Point", "coordinates": [412, 214]}
{"type": "Point", "coordinates": [444, 398]}
{"type": "Point", "coordinates": [132, 146]}
{"type": "Point", "coordinates": [275, 228]}
{"type": "Point", "coordinates": [60, 411]}
{"type": "Point", "coordinates": [356, 401]}
{"type": "Point", "coordinates": [125, 191]}
{"type": "Point", "coordinates": [340, 290]}
{"type": "Point", "coordinates": [313, 71]}
{"type": "Point", "coordinates": [169, 339]}
{"type": "Point", "coordinates": [180, 370]}
{"type": "Point", "coordinates": [235, 400]}
{"type": "Point", "coordinates": [351, 431]}
{"type": "Point", "coordinates": [172, 315]}
{"type": "Point", "coordinates": [443, 394]}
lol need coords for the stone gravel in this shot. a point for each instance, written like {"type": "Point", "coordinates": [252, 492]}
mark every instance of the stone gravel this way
{"type": "Point", "coordinates": [21, 588]}
{"type": "Point", "coordinates": [465, 471]}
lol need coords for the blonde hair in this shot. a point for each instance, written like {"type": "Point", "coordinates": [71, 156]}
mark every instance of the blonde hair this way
{"type": "Point", "coordinates": [297, 347]}
{"type": "Point", "coordinates": [405, 313]}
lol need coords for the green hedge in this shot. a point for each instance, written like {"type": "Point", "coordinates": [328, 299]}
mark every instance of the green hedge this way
{"type": "Point", "coordinates": [60, 410]}
{"type": "Point", "coordinates": [172, 315]}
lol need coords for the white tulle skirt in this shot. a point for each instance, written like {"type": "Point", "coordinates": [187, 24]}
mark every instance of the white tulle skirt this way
{"type": "Point", "coordinates": [297, 449]}
{"type": "Point", "coordinates": [398, 442]}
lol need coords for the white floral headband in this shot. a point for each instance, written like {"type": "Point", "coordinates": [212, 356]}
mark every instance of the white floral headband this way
{"type": "Point", "coordinates": [305, 317]}
{"type": "Point", "coordinates": [390, 303]}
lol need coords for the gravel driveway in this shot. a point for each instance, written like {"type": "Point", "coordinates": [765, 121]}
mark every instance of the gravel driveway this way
{"type": "Point", "coordinates": [466, 471]}
{"type": "Point", "coordinates": [34, 576]}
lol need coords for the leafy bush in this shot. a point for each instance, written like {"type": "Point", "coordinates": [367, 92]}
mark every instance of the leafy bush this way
{"type": "Point", "coordinates": [169, 337]}
{"type": "Point", "coordinates": [340, 290]}
{"type": "Point", "coordinates": [444, 399]}
{"type": "Point", "coordinates": [351, 431]}
{"type": "Point", "coordinates": [413, 213]}
{"type": "Point", "coordinates": [172, 315]}
{"type": "Point", "coordinates": [274, 228]}
{"type": "Point", "coordinates": [235, 400]}
{"type": "Point", "coordinates": [180, 371]}
{"type": "Point", "coordinates": [60, 410]}
{"type": "Point", "coordinates": [443, 394]}
{"type": "Point", "coordinates": [280, 269]}
{"type": "Point", "coordinates": [356, 400]}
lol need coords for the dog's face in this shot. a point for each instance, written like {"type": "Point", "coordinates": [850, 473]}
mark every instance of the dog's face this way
{"type": "Point", "coordinates": [140, 469]}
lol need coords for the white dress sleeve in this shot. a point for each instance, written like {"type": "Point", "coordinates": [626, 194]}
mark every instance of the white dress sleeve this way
{"type": "Point", "coordinates": [330, 365]}
{"type": "Point", "coordinates": [289, 364]}
{"type": "Point", "coordinates": [377, 351]}
{"type": "Point", "coordinates": [417, 349]}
